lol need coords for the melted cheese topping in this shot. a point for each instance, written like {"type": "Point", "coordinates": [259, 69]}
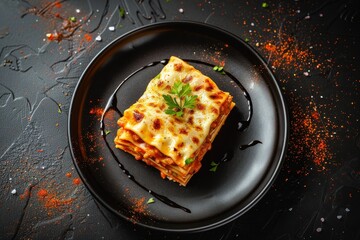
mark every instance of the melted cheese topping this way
{"type": "Point", "coordinates": [176, 137]}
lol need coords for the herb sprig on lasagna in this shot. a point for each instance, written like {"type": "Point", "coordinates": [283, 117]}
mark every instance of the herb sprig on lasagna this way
{"type": "Point", "coordinates": [184, 99]}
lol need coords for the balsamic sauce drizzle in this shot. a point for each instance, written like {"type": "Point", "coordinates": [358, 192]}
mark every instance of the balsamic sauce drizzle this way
{"type": "Point", "coordinates": [250, 144]}
{"type": "Point", "coordinates": [112, 104]}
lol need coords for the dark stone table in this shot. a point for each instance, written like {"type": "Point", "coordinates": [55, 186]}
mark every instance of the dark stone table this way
{"type": "Point", "coordinates": [312, 47]}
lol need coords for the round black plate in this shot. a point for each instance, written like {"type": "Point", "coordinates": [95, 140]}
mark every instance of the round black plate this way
{"type": "Point", "coordinates": [214, 198]}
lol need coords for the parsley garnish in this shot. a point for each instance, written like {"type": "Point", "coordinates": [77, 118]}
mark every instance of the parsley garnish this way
{"type": "Point", "coordinates": [107, 132]}
{"type": "Point", "coordinates": [189, 160]}
{"type": "Point", "coordinates": [122, 12]}
{"type": "Point", "coordinates": [184, 99]}
{"type": "Point", "coordinates": [219, 69]}
{"type": "Point", "coordinates": [214, 166]}
{"type": "Point", "coordinates": [59, 108]}
{"type": "Point", "coordinates": [72, 19]}
{"type": "Point", "coordinates": [151, 200]}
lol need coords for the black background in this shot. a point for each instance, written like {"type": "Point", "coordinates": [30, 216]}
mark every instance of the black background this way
{"type": "Point", "coordinates": [312, 48]}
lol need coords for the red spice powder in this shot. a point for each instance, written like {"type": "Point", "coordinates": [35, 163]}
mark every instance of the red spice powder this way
{"type": "Point", "coordinates": [87, 37]}
{"type": "Point", "coordinates": [289, 54]}
{"type": "Point", "coordinates": [42, 193]}
{"type": "Point", "coordinates": [51, 201]}
{"type": "Point", "coordinates": [26, 194]}
{"type": "Point", "coordinates": [315, 115]}
{"type": "Point", "coordinates": [96, 111]}
{"type": "Point", "coordinates": [139, 209]}
{"type": "Point", "coordinates": [139, 205]}
{"type": "Point", "coordinates": [54, 202]}
{"type": "Point", "coordinates": [58, 4]}
{"type": "Point", "coordinates": [76, 181]}
{"type": "Point", "coordinates": [310, 137]}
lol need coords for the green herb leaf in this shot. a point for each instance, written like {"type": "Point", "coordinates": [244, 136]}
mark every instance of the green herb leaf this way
{"type": "Point", "coordinates": [214, 166]}
{"type": "Point", "coordinates": [107, 132]}
{"type": "Point", "coordinates": [213, 169]}
{"type": "Point", "coordinates": [72, 19]}
{"type": "Point", "coordinates": [190, 101]}
{"type": "Point", "coordinates": [189, 160]}
{"type": "Point", "coordinates": [151, 200]}
{"type": "Point", "coordinates": [219, 69]}
{"type": "Point", "coordinates": [264, 5]}
{"type": "Point", "coordinates": [122, 12]}
{"type": "Point", "coordinates": [179, 114]}
{"type": "Point", "coordinates": [183, 100]}
{"type": "Point", "coordinates": [170, 111]}
{"type": "Point", "coordinates": [171, 102]}
{"type": "Point", "coordinates": [59, 108]}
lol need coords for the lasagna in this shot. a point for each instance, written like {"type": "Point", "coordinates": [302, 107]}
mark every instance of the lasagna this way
{"type": "Point", "coordinates": [174, 144]}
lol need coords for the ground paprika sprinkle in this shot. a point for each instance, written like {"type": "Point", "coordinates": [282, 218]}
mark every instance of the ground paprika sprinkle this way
{"type": "Point", "coordinates": [76, 181]}
{"type": "Point", "coordinates": [42, 193]}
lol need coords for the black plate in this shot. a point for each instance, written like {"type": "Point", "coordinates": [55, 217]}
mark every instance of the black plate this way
{"type": "Point", "coordinates": [214, 198]}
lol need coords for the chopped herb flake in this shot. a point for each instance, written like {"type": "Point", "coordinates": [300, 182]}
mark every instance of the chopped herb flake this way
{"type": "Point", "coordinates": [151, 200]}
{"type": "Point", "coordinates": [214, 166]}
{"type": "Point", "coordinates": [219, 69]}
{"type": "Point", "coordinates": [107, 132]}
{"type": "Point", "coordinates": [122, 12]}
{"type": "Point", "coordinates": [264, 5]}
{"type": "Point", "coordinates": [189, 160]}
{"type": "Point", "coordinates": [72, 19]}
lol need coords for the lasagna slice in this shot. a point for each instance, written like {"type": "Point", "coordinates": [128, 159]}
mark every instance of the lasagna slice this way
{"type": "Point", "coordinates": [175, 145]}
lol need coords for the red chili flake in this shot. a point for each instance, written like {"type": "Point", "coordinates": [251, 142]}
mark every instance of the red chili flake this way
{"type": "Point", "coordinates": [315, 115]}
{"type": "Point", "coordinates": [26, 194]}
{"type": "Point", "coordinates": [87, 37]}
{"type": "Point", "coordinates": [96, 111]}
{"type": "Point", "coordinates": [76, 181]}
{"type": "Point", "coordinates": [42, 193]}
{"type": "Point", "coordinates": [40, 150]}
{"type": "Point", "coordinates": [68, 174]}
{"type": "Point", "coordinates": [54, 36]}
{"type": "Point", "coordinates": [50, 36]}
{"type": "Point", "coordinates": [322, 145]}
{"type": "Point", "coordinates": [289, 53]}
{"type": "Point", "coordinates": [58, 4]}
{"type": "Point", "coordinates": [311, 137]}
{"type": "Point", "coordinates": [52, 201]}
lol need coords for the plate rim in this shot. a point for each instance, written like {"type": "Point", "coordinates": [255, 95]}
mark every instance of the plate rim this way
{"type": "Point", "coordinates": [284, 113]}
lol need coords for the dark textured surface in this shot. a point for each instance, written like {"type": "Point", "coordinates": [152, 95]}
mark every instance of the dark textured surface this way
{"type": "Point", "coordinates": [313, 48]}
